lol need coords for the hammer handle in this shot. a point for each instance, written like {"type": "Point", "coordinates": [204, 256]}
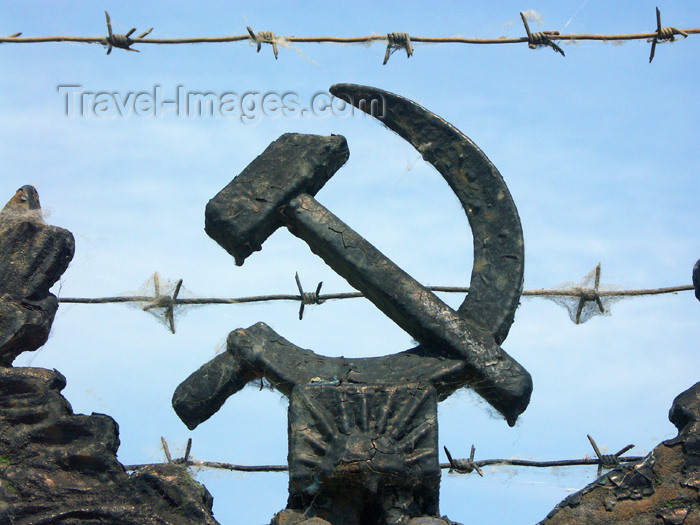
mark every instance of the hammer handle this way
{"type": "Point", "coordinates": [408, 303]}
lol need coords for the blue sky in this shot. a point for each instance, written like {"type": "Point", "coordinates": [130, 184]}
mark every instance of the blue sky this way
{"type": "Point", "coordinates": [598, 149]}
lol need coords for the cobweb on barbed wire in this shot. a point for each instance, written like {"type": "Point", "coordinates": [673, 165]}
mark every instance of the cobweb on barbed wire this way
{"type": "Point", "coordinates": [585, 299]}
{"type": "Point", "coordinates": [157, 297]}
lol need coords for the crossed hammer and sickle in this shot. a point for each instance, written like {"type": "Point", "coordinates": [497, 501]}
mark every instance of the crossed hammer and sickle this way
{"type": "Point", "coordinates": [456, 347]}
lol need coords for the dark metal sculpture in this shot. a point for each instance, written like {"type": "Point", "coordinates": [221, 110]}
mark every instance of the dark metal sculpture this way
{"type": "Point", "coordinates": [364, 453]}
{"type": "Point", "coordinates": [33, 256]}
{"type": "Point", "coordinates": [659, 488]}
{"type": "Point", "coordinates": [363, 432]}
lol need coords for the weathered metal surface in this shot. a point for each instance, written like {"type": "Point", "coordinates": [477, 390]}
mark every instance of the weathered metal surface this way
{"type": "Point", "coordinates": [663, 488]}
{"type": "Point", "coordinates": [245, 213]}
{"type": "Point", "coordinates": [348, 463]}
{"type": "Point", "coordinates": [685, 409]}
{"type": "Point", "coordinates": [33, 256]}
{"type": "Point", "coordinates": [634, 482]}
{"type": "Point", "coordinates": [202, 394]}
{"type": "Point", "coordinates": [496, 376]}
{"type": "Point", "coordinates": [442, 332]}
{"type": "Point", "coordinates": [497, 274]}
{"type": "Point", "coordinates": [259, 351]}
{"type": "Point", "coordinates": [57, 467]}
{"type": "Point", "coordinates": [685, 415]}
{"type": "Point", "coordinates": [364, 454]}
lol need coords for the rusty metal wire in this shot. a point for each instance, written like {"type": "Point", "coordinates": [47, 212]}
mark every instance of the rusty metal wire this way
{"type": "Point", "coordinates": [535, 40]}
{"type": "Point", "coordinates": [396, 40]}
{"type": "Point", "coordinates": [121, 41]}
{"type": "Point", "coordinates": [604, 461]}
{"type": "Point", "coordinates": [307, 297]}
{"type": "Point", "coordinates": [459, 466]}
{"type": "Point", "coordinates": [664, 34]}
{"type": "Point", "coordinates": [572, 292]}
{"type": "Point", "coordinates": [168, 302]}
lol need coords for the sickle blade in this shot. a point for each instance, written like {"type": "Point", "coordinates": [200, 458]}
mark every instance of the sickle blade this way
{"type": "Point", "coordinates": [497, 274]}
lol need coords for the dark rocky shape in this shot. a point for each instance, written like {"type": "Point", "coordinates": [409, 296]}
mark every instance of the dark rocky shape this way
{"type": "Point", "coordinates": [59, 467]}
{"type": "Point", "coordinates": [661, 490]}
{"type": "Point", "coordinates": [363, 455]}
{"type": "Point", "coordinates": [33, 256]}
{"type": "Point", "coordinates": [685, 414]}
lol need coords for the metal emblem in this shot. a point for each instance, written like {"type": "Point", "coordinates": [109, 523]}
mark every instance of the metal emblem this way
{"type": "Point", "coordinates": [363, 432]}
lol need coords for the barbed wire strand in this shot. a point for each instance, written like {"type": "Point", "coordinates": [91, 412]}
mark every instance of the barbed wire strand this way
{"type": "Point", "coordinates": [459, 466]}
{"type": "Point", "coordinates": [394, 40]}
{"type": "Point", "coordinates": [575, 292]}
{"type": "Point", "coordinates": [166, 304]}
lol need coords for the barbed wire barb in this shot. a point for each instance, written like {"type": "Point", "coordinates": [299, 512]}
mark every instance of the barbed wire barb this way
{"type": "Point", "coordinates": [307, 297]}
{"type": "Point", "coordinates": [464, 466]}
{"type": "Point", "coordinates": [607, 460]}
{"type": "Point", "coordinates": [535, 40]}
{"type": "Point", "coordinates": [663, 34]}
{"type": "Point", "coordinates": [120, 41]}
{"type": "Point", "coordinates": [167, 302]}
{"type": "Point", "coordinates": [590, 295]}
{"type": "Point", "coordinates": [263, 37]}
{"type": "Point", "coordinates": [13, 35]}
{"type": "Point", "coordinates": [396, 41]}
{"type": "Point", "coordinates": [166, 450]}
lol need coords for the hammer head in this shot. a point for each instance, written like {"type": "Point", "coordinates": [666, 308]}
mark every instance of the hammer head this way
{"type": "Point", "coordinates": [246, 212]}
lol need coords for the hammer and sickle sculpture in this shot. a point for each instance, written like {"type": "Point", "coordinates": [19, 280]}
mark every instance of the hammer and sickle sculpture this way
{"type": "Point", "coordinates": [363, 432]}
